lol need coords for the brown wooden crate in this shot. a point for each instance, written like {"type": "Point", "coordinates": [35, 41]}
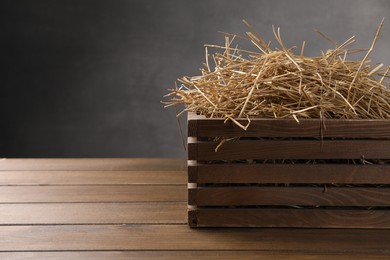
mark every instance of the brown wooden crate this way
{"type": "Point", "coordinates": [230, 177]}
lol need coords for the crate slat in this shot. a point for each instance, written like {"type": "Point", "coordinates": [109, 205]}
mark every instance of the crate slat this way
{"type": "Point", "coordinates": [290, 149]}
{"type": "Point", "coordinates": [286, 196]}
{"type": "Point", "coordinates": [268, 127]}
{"type": "Point", "coordinates": [289, 173]}
{"type": "Point", "coordinates": [299, 218]}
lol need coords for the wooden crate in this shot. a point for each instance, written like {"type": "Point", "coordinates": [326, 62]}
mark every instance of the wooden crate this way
{"type": "Point", "coordinates": [233, 187]}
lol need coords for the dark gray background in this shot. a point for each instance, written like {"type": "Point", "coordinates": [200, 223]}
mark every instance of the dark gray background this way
{"type": "Point", "coordinates": [83, 78]}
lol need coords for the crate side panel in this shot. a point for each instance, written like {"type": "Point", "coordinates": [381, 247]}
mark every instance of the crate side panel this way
{"type": "Point", "coordinates": [296, 218]}
{"type": "Point", "coordinates": [289, 196]}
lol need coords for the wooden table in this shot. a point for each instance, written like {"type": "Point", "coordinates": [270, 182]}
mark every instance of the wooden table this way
{"type": "Point", "coordinates": [136, 208]}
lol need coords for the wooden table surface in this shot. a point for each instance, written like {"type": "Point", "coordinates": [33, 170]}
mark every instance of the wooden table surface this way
{"type": "Point", "coordinates": [136, 209]}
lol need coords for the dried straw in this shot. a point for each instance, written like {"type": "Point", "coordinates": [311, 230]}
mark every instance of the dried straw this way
{"type": "Point", "coordinates": [277, 83]}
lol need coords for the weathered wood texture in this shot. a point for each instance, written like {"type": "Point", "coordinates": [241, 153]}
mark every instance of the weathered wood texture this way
{"type": "Point", "coordinates": [272, 194]}
{"type": "Point", "coordinates": [44, 215]}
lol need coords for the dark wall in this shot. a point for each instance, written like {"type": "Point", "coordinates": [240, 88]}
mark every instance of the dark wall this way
{"type": "Point", "coordinates": [84, 78]}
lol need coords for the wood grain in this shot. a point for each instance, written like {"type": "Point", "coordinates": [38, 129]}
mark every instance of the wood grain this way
{"type": "Point", "coordinates": [302, 149]}
{"type": "Point", "coordinates": [115, 164]}
{"type": "Point", "coordinates": [126, 209]}
{"type": "Point", "coordinates": [180, 237]}
{"type": "Point", "coordinates": [268, 127]}
{"type": "Point", "coordinates": [289, 173]}
{"type": "Point", "coordinates": [92, 177]}
{"type": "Point", "coordinates": [93, 213]}
{"type": "Point", "coordinates": [303, 196]}
{"type": "Point", "coordinates": [193, 255]}
{"type": "Point", "coordinates": [93, 193]}
{"type": "Point", "coordinates": [298, 218]}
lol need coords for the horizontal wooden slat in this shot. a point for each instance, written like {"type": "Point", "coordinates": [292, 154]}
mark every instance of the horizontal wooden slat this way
{"type": "Point", "coordinates": [117, 164]}
{"type": "Point", "coordinates": [289, 173]}
{"type": "Point", "coordinates": [298, 218]}
{"type": "Point", "coordinates": [302, 149]}
{"type": "Point", "coordinates": [199, 126]}
{"type": "Point", "coordinates": [91, 177]}
{"type": "Point", "coordinates": [180, 237]}
{"type": "Point", "coordinates": [304, 196]}
{"type": "Point", "coordinates": [93, 213]}
{"type": "Point", "coordinates": [93, 193]}
{"type": "Point", "coordinates": [194, 255]}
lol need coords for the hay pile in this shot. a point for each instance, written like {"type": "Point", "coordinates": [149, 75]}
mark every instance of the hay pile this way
{"type": "Point", "coordinates": [277, 83]}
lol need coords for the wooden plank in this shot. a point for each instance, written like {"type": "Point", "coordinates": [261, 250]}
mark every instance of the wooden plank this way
{"type": "Point", "coordinates": [193, 255]}
{"type": "Point", "coordinates": [180, 237]}
{"type": "Point", "coordinates": [288, 149]}
{"type": "Point", "coordinates": [269, 127]}
{"type": "Point", "coordinates": [91, 177]}
{"type": "Point", "coordinates": [303, 196]}
{"type": "Point", "coordinates": [117, 164]}
{"type": "Point", "coordinates": [297, 218]}
{"type": "Point", "coordinates": [93, 193]}
{"type": "Point", "coordinates": [93, 213]}
{"type": "Point", "coordinates": [289, 173]}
